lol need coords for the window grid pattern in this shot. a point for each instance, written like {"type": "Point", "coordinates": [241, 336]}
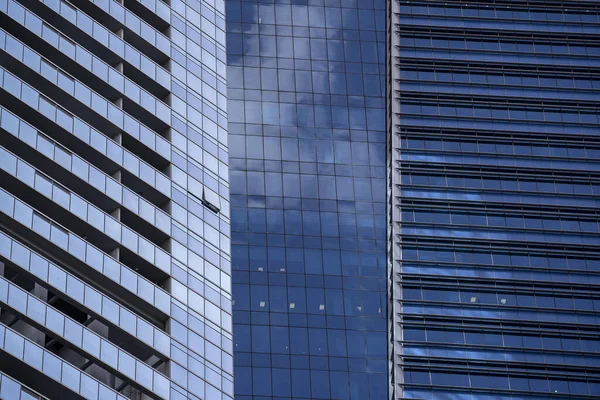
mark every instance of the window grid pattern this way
{"type": "Point", "coordinates": [115, 220]}
{"type": "Point", "coordinates": [306, 84]}
{"type": "Point", "coordinates": [495, 227]}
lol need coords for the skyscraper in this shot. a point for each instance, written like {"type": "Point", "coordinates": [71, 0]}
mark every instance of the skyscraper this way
{"type": "Point", "coordinates": [495, 195]}
{"type": "Point", "coordinates": [306, 91]}
{"type": "Point", "coordinates": [448, 251]}
{"type": "Point", "coordinates": [114, 201]}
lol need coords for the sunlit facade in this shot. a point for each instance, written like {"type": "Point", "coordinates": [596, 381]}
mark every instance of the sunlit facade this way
{"type": "Point", "coordinates": [114, 201]}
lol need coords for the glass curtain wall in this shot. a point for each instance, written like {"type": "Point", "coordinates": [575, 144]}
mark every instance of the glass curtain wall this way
{"type": "Point", "coordinates": [307, 153]}
{"type": "Point", "coordinates": [496, 179]}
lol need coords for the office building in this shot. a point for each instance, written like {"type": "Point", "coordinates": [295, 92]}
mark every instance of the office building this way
{"type": "Point", "coordinates": [114, 201]}
{"type": "Point", "coordinates": [495, 189]}
{"type": "Point", "coordinates": [306, 102]}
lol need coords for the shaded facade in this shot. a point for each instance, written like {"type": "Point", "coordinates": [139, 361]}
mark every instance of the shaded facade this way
{"type": "Point", "coordinates": [114, 215]}
{"type": "Point", "coordinates": [306, 84]}
{"type": "Point", "coordinates": [495, 193]}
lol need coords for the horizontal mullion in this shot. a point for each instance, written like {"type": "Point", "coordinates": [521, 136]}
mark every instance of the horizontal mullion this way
{"type": "Point", "coordinates": [480, 190]}
{"type": "Point", "coordinates": [78, 175]}
{"type": "Point", "coordinates": [478, 264]}
{"type": "Point", "coordinates": [535, 137]}
{"type": "Point", "coordinates": [498, 95]}
{"type": "Point", "coordinates": [483, 245]}
{"type": "Point", "coordinates": [499, 326]}
{"type": "Point", "coordinates": [491, 100]}
{"type": "Point", "coordinates": [500, 348]}
{"type": "Point", "coordinates": [83, 295]}
{"type": "Point", "coordinates": [115, 16]}
{"type": "Point", "coordinates": [535, 283]}
{"type": "Point", "coordinates": [465, 320]}
{"type": "Point", "coordinates": [79, 216]}
{"type": "Point", "coordinates": [446, 390]}
{"type": "Point", "coordinates": [70, 131]}
{"type": "Point", "coordinates": [405, 121]}
{"type": "Point", "coordinates": [495, 306]}
{"type": "Point", "coordinates": [486, 391]}
{"type": "Point", "coordinates": [519, 369]}
{"type": "Point", "coordinates": [512, 280]}
{"type": "Point", "coordinates": [498, 286]}
{"type": "Point", "coordinates": [592, 250]}
{"type": "Point", "coordinates": [94, 104]}
{"type": "Point", "coordinates": [522, 26]}
{"type": "Point", "coordinates": [541, 5]}
{"type": "Point", "coordinates": [412, 194]}
{"type": "Point", "coordinates": [491, 33]}
{"type": "Point", "coordinates": [461, 347]}
{"type": "Point", "coordinates": [503, 367]}
{"type": "Point", "coordinates": [84, 260]}
{"type": "Point", "coordinates": [41, 315]}
{"type": "Point", "coordinates": [492, 228]}
{"type": "Point", "coordinates": [492, 207]}
{"type": "Point", "coordinates": [151, 76]}
{"type": "Point", "coordinates": [488, 119]}
{"type": "Point", "coordinates": [47, 372]}
{"type": "Point", "coordinates": [501, 171]}
{"type": "Point", "coordinates": [575, 71]}
{"type": "Point", "coordinates": [422, 56]}
{"type": "Point", "coordinates": [496, 160]}
{"type": "Point", "coordinates": [499, 155]}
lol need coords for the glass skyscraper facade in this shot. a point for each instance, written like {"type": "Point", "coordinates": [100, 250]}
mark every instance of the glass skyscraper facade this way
{"type": "Point", "coordinates": [115, 267]}
{"type": "Point", "coordinates": [306, 95]}
{"type": "Point", "coordinates": [495, 191]}
{"type": "Point", "coordinates": [381, 198]}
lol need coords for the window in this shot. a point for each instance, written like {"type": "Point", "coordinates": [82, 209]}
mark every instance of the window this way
{"type": "Point", "coordinates": [50, 35]}
{"type": "Point", "coordinates": [211, 200]}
